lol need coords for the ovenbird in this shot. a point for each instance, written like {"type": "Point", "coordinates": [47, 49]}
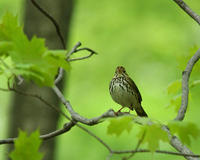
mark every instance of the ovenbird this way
{"type": "Point", "coordinates": [124, 91]}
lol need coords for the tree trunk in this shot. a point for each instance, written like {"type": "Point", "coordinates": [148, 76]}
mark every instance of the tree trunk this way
{"type": "Point", "coordinates": [28, 113]}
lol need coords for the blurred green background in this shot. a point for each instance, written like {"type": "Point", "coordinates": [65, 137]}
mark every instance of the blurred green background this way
{"type": "Point", "coordinates": [148, 38]}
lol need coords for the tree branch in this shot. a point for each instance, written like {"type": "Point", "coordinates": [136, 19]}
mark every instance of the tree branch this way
{"type": "Point", "coordinates": [76, 117]}
{"type": "Point", "coordinates": [157, 151]}
{"type": "Point", "coordinates": [77, 49]}
{"type": "Point", "coordinates": [52, 20]}
{"type": "Point", "coordinates": [185, 85]}
{"type": "Point", "coordinates": [37, 97]}
{"type": "Point", "coordinates": [188, 10]}
{"type": "Point", "coordinates": [53, 134]}
{"type": "Point", "coordinates": [96, 137]}
{"type": "Point", "coordinates": [177, 144]}
{"type": "Point", "coordinates": [137, 147]}
{"type": "Point", "coordinates": [73, 50]}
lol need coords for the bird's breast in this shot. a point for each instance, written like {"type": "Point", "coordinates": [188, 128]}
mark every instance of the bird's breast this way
{"type": "Point", "coordinates": [122, 94]}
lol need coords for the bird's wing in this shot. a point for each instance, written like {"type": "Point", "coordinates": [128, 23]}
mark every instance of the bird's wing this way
{"type": "Point", "coordinates": [132, 83]}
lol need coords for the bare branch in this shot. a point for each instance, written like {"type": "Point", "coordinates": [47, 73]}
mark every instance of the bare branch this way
{"type": "Point", "coordinates": [185, 85]}
{"type": "Point", "coordinates": [52, 20]}
{"type": "Point", "coordinates": [78, 44]}
{"type": "Point", "coordinates": [157, 151]}
{"type": "Point", "coordinates": [61, 70]}
{"type": "Point", "coordinates": [59, 76]}
{"type": "Point", "coordinates": [177, 144]}
{"type": "Point", "coordinates": [96, 137]}
{"type": "Point", "coordinates": [65, 128]}
{"type": "Point", "coordinates": [188, 10]}
{"type": "Point", "coordinates": [81, 58]}
{"type": "Point", "coordinates": [75, 116]}
{"type": "Point", "coordinates": [74, 50]}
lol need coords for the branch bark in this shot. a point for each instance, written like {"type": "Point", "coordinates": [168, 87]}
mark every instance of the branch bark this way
{"type": "Point", "coordinates": [188, 10]}
{"type": "Point", "coordinates": [185, 85]}
{"type": "Point", "coordinates": [53, 134]}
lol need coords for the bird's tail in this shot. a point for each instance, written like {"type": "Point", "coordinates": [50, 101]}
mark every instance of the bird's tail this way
{"type": "Point", "coordinates": [140, 112]}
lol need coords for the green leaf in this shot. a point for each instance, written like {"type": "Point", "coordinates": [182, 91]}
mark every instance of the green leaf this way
{"type": "Point", "coordinates": [120, 124]}
{"type": "Point", "coordinates": [5, 47]}
{"type": "Point", "coordinates": [26, 147]}
{"type": "Point", "coordinates": [176, 102]}
{"type": "Point", "coordinates": [30, 58]}
{"type": "Point", "coordinates": [174, 87]}
{"type": "Point", "coordinates": [153, 135]}
{"type": "Point", "coordinates": [184, 130]}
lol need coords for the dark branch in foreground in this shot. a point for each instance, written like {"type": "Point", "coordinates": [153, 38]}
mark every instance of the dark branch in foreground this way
{"type": "Point", "coordinates": [185, 85]}
{"type": "Point", "coordinates": [52, 20]}
{"type": "Point", "coordinates": [188, 10]}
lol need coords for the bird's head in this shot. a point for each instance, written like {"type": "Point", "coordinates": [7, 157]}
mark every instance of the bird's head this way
{"type": "Point", "coordinates": [120, 71]}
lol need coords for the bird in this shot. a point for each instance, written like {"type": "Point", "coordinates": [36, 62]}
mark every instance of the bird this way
{"type": "Point", "coordinates": [124, 91]}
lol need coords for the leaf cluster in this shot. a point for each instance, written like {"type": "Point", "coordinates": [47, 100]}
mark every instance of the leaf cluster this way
{"type": "Point", "coordinates": [152, 130]}
{"type": "Point", "coordinates": [29, 58]}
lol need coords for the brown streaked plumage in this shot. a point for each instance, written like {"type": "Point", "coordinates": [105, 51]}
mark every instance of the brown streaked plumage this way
{"type": "Point", "coordinates": [124, 91]}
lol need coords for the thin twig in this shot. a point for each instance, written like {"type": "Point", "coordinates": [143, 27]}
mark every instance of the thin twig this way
{"type": "Point", "coordinates": [52, 20]}
{"type": "Point", "coordinates": [157, 151]}
{"type": "Point", "coordinates": [73, 50]}
{"type": "Point", "coordinates": [137, 147]}
{"type": "Point", "coordinates": [188, 10]}
{"type": "Point", "coordinates": [39, 98]}
{"type": "Point", "coordinates": [81, 58]}
{"type": "Point", "coordinates": [61, 70]}
{"type": "Point", "coordinates": [78, 44]}
{"type": "Point", "coordinates": [185, 85]}
{"type": "Point", "coordinates": [59, 76]}
{"type": "Point", "coordinates": [96, 137]}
